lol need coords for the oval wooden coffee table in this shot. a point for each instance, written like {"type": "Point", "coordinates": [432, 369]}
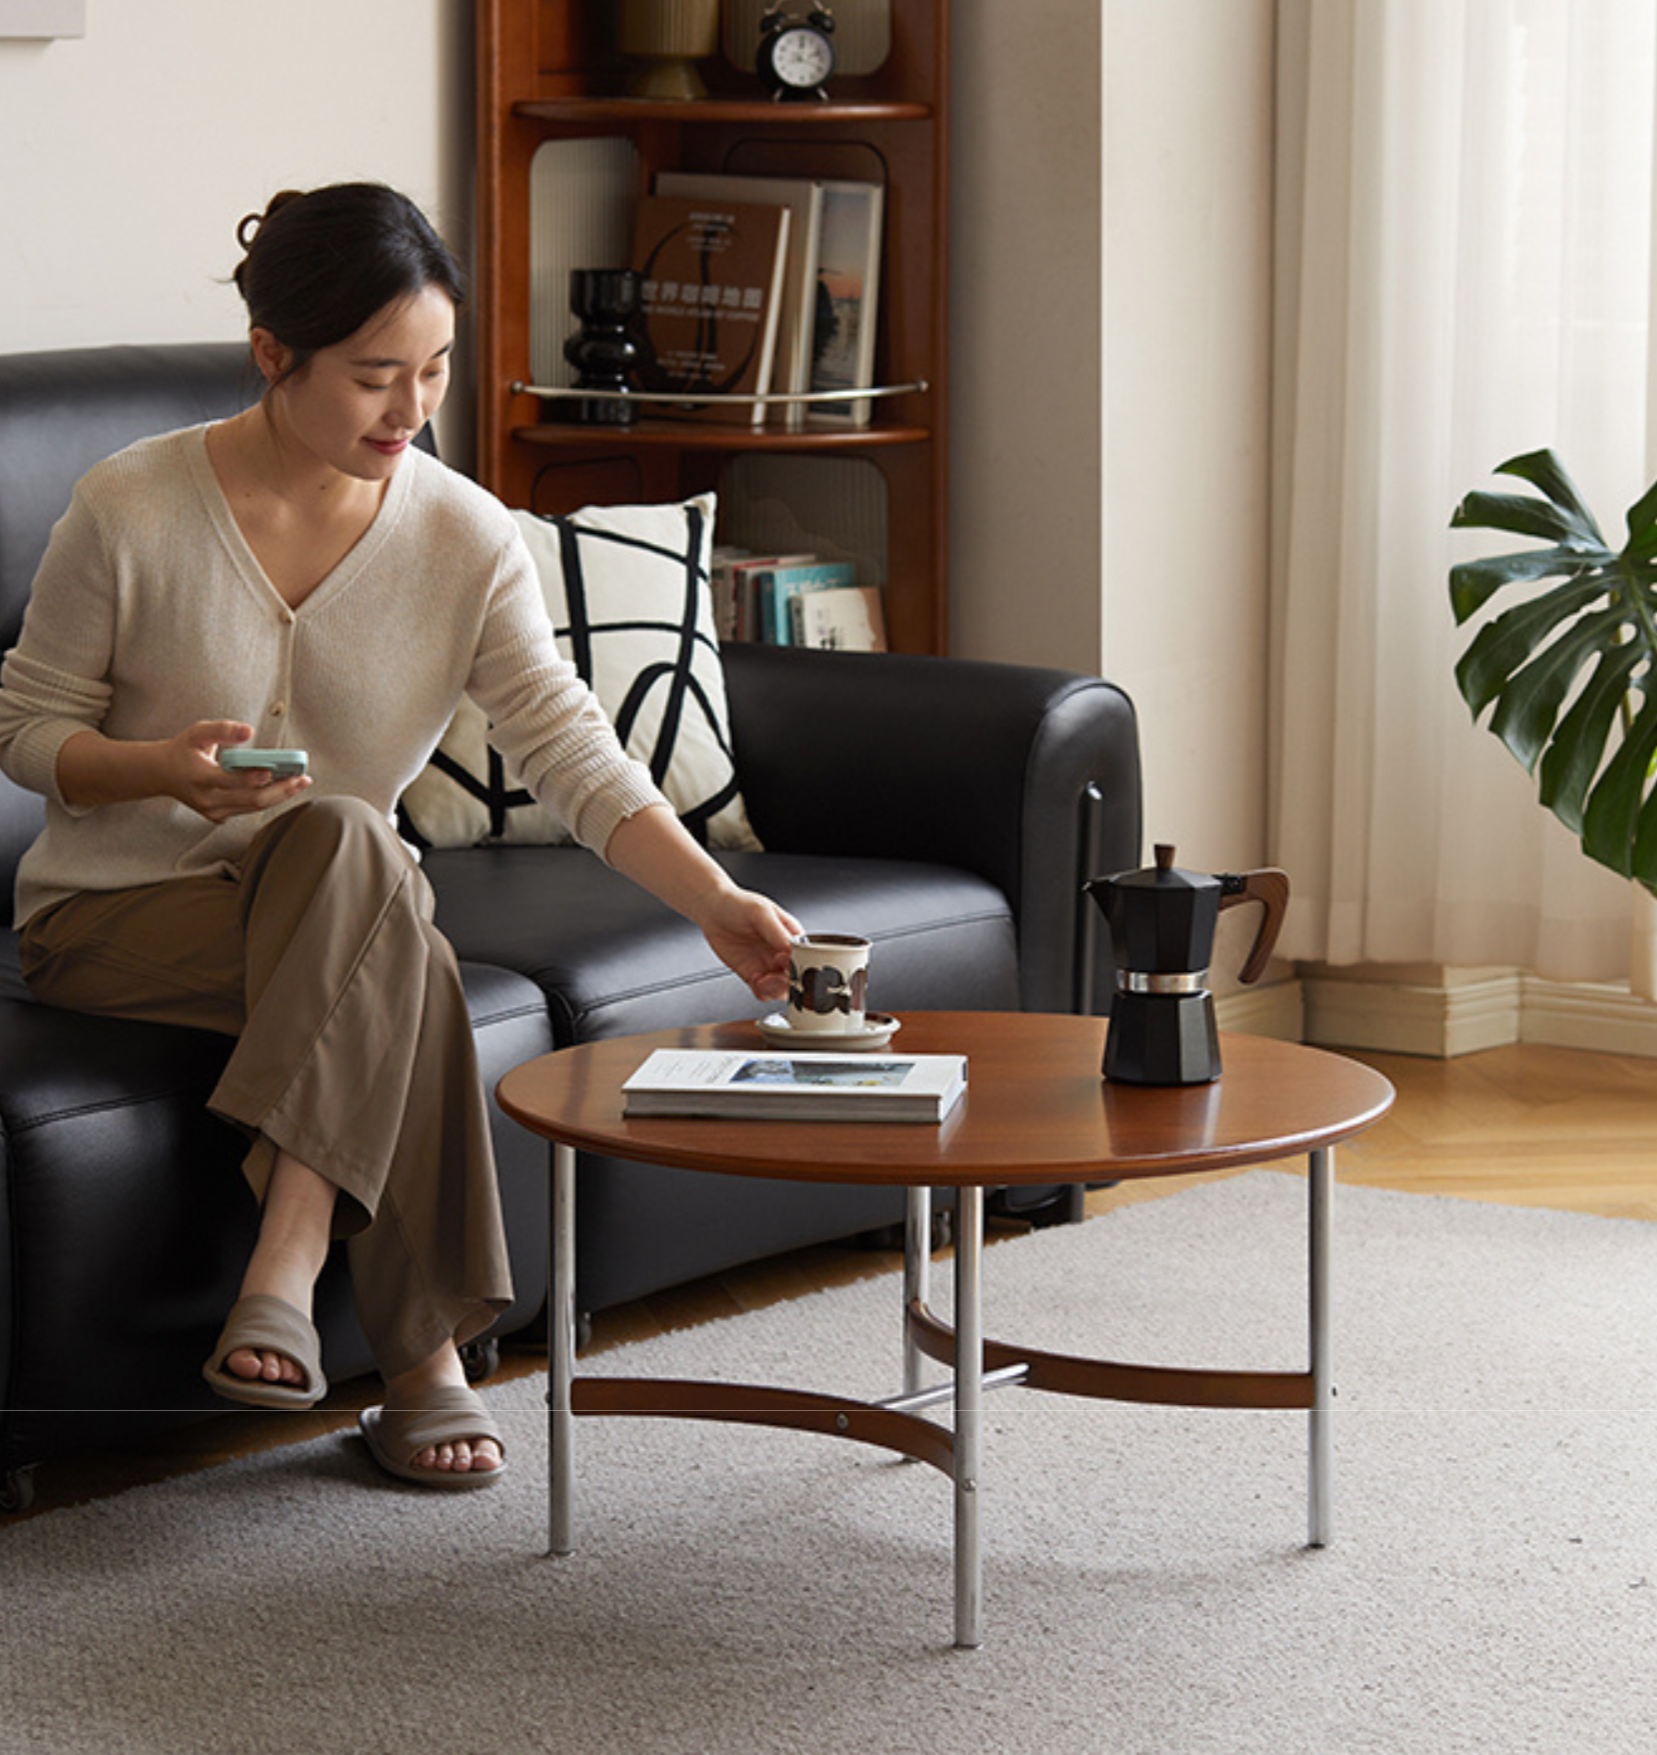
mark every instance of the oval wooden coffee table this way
{"type": "Point", "coordinates": [1036, 1111]}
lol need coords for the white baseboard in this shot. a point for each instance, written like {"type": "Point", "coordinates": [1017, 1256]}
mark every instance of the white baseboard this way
{"type": "Point", "coordinates": [1276, 1010]}
{"type": "Point", "coordinates": [1465, 1012]}
{"type": "Point", "coordinates": [1577, 1015]}
{"type": "Point", "coordinates": [1457, 1017]}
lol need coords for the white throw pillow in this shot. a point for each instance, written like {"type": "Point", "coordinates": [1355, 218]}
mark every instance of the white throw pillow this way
{"type": "Point", "coordinates": [627, 590]}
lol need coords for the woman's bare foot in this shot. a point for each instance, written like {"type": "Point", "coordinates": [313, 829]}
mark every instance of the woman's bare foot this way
{"type": "Point", "coordinates": [257, 1366]}
{"type": "Point", "coordinates": [411, 1389]}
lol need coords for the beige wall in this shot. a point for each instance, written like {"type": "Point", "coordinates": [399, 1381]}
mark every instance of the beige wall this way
{"type": "Point", "coordinates": [1109, 447]}
{"type": "Point", "coordinates": [1024, 433]}
{"type": "Point", "coordinates": [128, 156]}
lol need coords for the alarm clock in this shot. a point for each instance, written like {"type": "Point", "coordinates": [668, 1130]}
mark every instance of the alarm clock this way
{"type": "Point", "coordinates": [795, 55]}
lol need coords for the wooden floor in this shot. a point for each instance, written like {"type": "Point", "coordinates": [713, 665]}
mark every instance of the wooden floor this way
{"type": "Point", "coordinates": [1522, 1126]}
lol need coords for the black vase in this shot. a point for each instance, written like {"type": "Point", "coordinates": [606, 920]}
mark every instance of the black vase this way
{"type": "Point", "coordinates": [604, 353]}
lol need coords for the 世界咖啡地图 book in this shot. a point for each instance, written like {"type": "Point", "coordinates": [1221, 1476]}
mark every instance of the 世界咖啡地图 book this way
{"type": "Point", "coordinates": [781, 1085]}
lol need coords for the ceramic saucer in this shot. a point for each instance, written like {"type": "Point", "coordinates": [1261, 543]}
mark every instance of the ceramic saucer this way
{"type": "Point", "coordinates": [878, 1029]}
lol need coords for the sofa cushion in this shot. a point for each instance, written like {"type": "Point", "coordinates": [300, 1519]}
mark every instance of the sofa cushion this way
{"type": "Point", "coordinates": [627, 590]}
{"type": "Point", "coordinates": [612, 960]}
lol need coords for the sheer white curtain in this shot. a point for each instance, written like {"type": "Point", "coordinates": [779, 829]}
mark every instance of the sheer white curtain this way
{"type": "Point", "coordinates": [1464, 273]}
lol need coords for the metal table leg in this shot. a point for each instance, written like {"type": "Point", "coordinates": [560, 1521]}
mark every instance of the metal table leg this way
{"type": "Point", "coordinates": [561, 1352]}
{"type": "Point", "coordinates": [1321, 1458]}
{"type": "Point", "coordinates": [969, 1412]}
{"type": "Point", "coordinates": [917, 1279]}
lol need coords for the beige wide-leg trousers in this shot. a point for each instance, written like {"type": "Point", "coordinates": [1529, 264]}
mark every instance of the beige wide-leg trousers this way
{"type": "Point", "coordinates": [354, 1050]}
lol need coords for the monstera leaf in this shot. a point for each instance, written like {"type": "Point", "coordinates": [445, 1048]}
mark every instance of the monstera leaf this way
{"type": "Point", "coordinates": [1569, 668]}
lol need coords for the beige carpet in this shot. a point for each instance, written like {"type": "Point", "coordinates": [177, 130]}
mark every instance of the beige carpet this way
{"type": "Point", "coordinates": [1493, 1585]}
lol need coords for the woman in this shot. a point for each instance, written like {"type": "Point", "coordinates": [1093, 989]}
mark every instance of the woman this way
{"type": "Point", "coordinates": [299, 576]}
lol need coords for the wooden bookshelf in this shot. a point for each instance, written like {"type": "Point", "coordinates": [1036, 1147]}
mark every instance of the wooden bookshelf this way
{"type": "Point", "coordinates": [548, 70]}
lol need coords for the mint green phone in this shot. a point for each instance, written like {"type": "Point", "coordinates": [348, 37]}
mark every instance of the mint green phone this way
{"type": "Point", "coordinates": [284, 764]}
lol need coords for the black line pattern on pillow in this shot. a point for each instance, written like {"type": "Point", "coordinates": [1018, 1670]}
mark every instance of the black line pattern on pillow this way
{"type": "Point", "coordinates": [492, 792]}
{"type": "Point", "coordinates": [588, 625]}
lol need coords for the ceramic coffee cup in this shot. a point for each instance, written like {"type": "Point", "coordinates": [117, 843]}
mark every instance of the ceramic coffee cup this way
{"type": "Point", "coordinates": [828, 979]}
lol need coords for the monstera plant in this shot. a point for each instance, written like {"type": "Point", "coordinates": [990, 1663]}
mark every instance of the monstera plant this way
{"type": "Point", "coordinates": [1569, 668]}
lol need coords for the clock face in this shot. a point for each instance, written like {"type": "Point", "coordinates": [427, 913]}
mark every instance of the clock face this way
{"type": "Point", "coordinates": [802, 57]}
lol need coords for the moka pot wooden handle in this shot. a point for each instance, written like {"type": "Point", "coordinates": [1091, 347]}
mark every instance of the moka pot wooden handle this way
{"type": "Point", "coordinates": [1270, 887]}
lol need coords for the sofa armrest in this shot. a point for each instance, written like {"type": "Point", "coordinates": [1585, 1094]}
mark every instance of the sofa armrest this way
{"type": "Point", "coordinates": [1027, 777]}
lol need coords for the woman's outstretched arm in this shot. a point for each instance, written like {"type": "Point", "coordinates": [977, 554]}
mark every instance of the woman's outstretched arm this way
{"type": "Point", "coordinates": [748, 932]}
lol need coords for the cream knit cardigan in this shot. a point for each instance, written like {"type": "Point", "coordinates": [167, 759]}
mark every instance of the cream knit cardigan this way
{"type": "Point", "coordinates": [150, 612]}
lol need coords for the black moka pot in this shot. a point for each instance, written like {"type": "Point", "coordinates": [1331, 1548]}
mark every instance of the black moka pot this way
{"type": "Point", "coordinates": [1161, 921]}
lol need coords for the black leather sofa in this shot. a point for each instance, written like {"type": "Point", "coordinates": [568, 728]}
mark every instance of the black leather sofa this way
{"type": "Point", "coordinates": [952, 818]}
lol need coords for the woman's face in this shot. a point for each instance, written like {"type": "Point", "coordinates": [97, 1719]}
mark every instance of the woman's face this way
{"type": "Point", "coordinates": [358, 405]}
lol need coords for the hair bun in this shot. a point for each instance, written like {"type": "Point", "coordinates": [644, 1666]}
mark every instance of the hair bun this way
{"type": "Point", "coordinates": [251, 222]}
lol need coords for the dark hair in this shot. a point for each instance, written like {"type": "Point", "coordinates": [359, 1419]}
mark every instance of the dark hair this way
{"type": "Point", "coordinates": [320, 264]}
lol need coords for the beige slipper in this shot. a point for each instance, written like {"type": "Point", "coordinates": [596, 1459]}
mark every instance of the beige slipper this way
{"type": "Point", "coordinates": [268, 1325]}
{"type": "Point", "coordinates": [396, 1436]}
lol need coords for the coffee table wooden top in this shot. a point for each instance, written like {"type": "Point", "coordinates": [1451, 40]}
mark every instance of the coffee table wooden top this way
{"type": "Point", "coordinates": [1037, 1109]}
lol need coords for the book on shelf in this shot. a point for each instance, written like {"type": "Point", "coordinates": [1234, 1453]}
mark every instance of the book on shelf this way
{"type": "Point", "coordinates": [779, 1085]}
{"type": "Point", "coordinates": [791, 369]}
{"type": "Point", "coordinates": [734, 581]}
{"type": "Point", "coordinates": [711, 276]}
{"type": "Point", "coordinates": [795, 600]}
{"type": "Point", "coordinates": [724, 558]}
{"type": "Point", "coordinates": [851, 619]}
{"type": "Point", "coordinates": [848, 297]}
{"type": "Point", "coordinates": [779, 588]}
